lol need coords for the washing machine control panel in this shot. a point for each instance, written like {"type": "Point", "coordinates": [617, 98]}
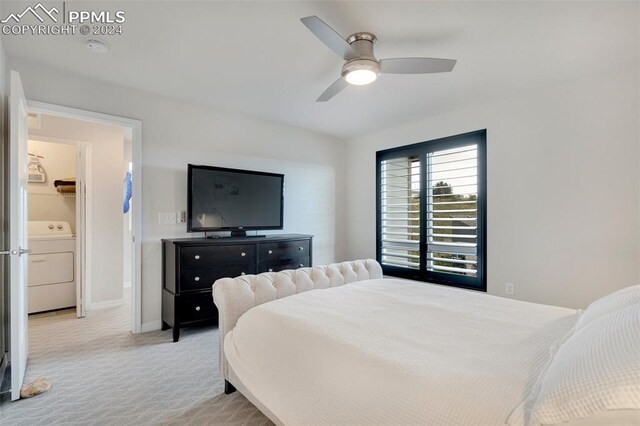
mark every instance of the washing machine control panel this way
{"type": "Point", "coordinates": [47, 229]}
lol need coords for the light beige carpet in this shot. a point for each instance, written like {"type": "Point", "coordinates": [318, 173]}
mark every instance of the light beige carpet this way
{"type": "Point", "coordinates": [104, 375]}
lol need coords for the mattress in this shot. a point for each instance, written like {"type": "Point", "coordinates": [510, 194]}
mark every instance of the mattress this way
{"type": "Point", "coordinates": [390, 351]}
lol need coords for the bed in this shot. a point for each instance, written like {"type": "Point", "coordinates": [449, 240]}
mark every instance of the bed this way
{"type": "Point", "coordinates": [340, 344]}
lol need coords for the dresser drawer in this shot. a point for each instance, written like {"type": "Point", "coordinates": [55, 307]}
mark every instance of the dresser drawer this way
{"type": "Point", "coordinates": [197, 307]}
{"type": "Point", "coordinates": [203, 278]}
{"type": "Point", "coordinates": [203, 256]}
{"type": "Point", "coordinates": [282, 264]}
{"type": "Point", "coordinates": [284, 249]}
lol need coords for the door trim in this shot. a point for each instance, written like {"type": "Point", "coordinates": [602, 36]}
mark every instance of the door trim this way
{"type": "Point", "coordinates": [135, 127]}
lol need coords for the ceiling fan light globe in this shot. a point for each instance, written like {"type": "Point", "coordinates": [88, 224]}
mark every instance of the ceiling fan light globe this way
{"type": "Point", "coordinates": [360, 72]}
{"type": "Point", "coordinates": [361, 77]}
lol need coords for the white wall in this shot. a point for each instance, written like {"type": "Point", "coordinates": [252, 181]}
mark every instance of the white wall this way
{"type": "Point", "coordinates": [563, 187]}
{"type": "Point", "coordinates": [45, 202]}
{"type": "Point", "coordinates": [177, 133]}
{"type": "Point", "coordinates": [106, 145]}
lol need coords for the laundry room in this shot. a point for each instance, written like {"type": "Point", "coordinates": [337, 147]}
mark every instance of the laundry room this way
{"type": "Point", "coordinates": [52, 225]}
{"type": "Point", "coordinates": [80, 234]}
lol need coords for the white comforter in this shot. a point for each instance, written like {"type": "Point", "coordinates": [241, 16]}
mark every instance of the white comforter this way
{"type": "Point", "coordinates": [393, 352]}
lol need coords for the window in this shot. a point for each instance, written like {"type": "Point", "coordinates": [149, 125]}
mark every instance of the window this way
{"type": "Point", "coordinates": [431, 211]}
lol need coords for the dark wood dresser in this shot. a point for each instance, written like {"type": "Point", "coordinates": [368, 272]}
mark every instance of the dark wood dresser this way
{"type": "Point", "coordinates": [190, 266]}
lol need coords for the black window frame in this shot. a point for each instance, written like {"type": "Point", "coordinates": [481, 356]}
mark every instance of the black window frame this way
{"type": "Point", "coordinates": [421, 149]}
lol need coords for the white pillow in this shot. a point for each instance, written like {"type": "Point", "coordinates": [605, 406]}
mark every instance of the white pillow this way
{"type": "Point", "coordinates": [596, 369]}
{"type": "Point", "coordinates": [612, 302]}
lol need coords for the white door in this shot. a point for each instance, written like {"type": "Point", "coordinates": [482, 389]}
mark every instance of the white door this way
{"type": "Point", "coordinates": [81, 228]}
{"type": "Point", "coordinates": [18, 232]}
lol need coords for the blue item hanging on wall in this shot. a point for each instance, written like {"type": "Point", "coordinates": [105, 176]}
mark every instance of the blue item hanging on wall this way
{"type": "Point", "coordinates": [127, 186]}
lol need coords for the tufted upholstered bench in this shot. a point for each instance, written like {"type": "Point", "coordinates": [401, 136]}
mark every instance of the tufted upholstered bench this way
{"type": "Point", "coordinates": [235, 296]}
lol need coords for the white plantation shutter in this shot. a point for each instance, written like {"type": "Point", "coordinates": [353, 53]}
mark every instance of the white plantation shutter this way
{"type": "Point", "coordinates": [431, 210]}
{"type": "Point", "coordinates": [400, 212]}
{"type": "Point", "coordinates": [452, 210]}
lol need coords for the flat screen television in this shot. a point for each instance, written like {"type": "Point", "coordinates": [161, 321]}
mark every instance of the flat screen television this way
{"type": "Point", "coordinates": [221, 199]}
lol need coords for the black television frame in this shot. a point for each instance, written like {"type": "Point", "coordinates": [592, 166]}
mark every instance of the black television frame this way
{"type": "Point", "coordinates": [235, 230]}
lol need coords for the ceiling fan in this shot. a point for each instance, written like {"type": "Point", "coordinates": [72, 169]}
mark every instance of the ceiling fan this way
{"type": "Point", "coordinates": [361, 66]}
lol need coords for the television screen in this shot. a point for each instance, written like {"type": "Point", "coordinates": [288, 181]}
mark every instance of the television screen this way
{"type": "Point", "coordinates": [229, 199]}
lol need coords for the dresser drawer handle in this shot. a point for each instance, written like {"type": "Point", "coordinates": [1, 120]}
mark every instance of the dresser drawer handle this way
{"type": "Point", "coordinates": [300, 248]}
{"type": "Point", "coordinates": [243, 254]}
{"type": "Point", "coordinates": [270, 252]}
{"type": "Point", "coordinates": [197, 256]}
{"type": "Point", "coordinates": [270, 270]}
{"type": "Point", "coordinates": [198, 308]}
{"type": "Point", "coordinates": [196, 279]}
{"type": "Point", "coordinates": [301, 265]}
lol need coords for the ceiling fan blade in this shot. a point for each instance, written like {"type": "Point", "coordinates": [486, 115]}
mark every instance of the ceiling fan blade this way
{"type": "Point", "coordinates": [416, 65]}
{"type": "Point", "coordinates": [333, 90]}
{"type": "Point", "coordinates": [329, 37]}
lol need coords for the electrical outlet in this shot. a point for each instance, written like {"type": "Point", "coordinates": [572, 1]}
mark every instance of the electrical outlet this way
{"type": "Point", "coordinates": [509, 289]}
{"type": "Point", "coordinates": [167, 218]}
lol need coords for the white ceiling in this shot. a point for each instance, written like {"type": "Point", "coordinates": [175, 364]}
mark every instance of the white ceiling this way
{"type": "Point", "coordinates": [258, 59]}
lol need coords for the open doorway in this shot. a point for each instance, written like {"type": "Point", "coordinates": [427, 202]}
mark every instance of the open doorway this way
{"type": "Point", "coordinates": [55, 218]}
{"type": "Point", "coordinates": [83, 201]}
{"type": "Point", "coordinates": [17, 213]}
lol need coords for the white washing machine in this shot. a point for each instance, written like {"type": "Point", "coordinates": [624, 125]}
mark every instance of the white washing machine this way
{"type": "Point", "coordinates": [52, 282]}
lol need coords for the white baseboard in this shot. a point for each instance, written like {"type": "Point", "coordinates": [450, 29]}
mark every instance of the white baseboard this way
{"type": "Point", "coordinates": [104, 305]}
{"type": "Point", "coordinates": [151, 326]}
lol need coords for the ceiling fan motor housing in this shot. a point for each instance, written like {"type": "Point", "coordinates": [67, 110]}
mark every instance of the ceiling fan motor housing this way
{"type": "Point", "coordinates": [362, 43]}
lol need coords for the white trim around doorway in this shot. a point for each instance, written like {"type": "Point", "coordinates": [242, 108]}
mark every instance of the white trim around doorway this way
{"type": "Point", "coordinates": [136, 207]}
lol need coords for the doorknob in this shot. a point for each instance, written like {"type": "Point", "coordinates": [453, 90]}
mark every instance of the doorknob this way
{"type": "Point", "coordinates": [19, 252]}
